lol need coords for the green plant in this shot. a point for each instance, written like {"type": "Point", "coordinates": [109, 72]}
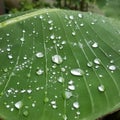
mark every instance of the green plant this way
{"type": "Point", "coordinates": [59, 65]}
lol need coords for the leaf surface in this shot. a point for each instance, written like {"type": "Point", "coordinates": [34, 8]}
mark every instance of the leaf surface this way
{"type": "Point", "coordinates": [59, 65]}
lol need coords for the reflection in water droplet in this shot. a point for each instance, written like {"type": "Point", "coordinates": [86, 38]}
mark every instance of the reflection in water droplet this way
{"type": "Point", "coordinates": [19, 104]}
{"type": "Point", "coordinates": [101, 88]}
{"type": "Point", "coordinates": [77, 72]}
{"type": "Point", "coordinates": [95, 45]}
{"type": "Point", "coordinates": [89, 64]}
{"type": "Point", "coordinates": [112, 67]}
{"type": "Point", "coordinates": [39, 55]}
{"type": "Point", "coordinates": [97, 61]}
{"type": "Point", "coordinates": [57, 59]}
{"type": "Point", "coordinates": [76, 105]}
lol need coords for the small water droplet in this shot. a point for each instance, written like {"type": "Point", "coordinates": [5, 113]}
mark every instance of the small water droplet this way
{"type": "Point", "coordinates": [39, 55]}
{"type": "Point", "coordinates": [50, 21]}
{"type": "Point", "coordinates": [81, 24]}
{"type": "Point", "coordinates": [61, 79]}
{"type": "Point", "coordinates": [76, 105]}
{"type": "Point", "coordinates": [46, 100]}
{"type": "Point", "coordinates": [97, 61]}
{"type": "Point", "coordinates": [10, 56]}
{"type": "Point", "coordinates": [71, 17]}
{"type": "Point", "coordinates": [25, 113]}
{"type": "Point", "coordinates": [57, 59]}
{"type": "Point", "coordinates": [112, 67]}
{"type": "Point", "coordinates": [89, 64]}
{"type": "Point", "coordinates": [68, 95]}
{"type": "Point", "coordinates": [101, 88]}
{"type": "Point", "coordinates": [19, 104]}
{"type": "Point", "coordinates": [52, 36]}
{"type": "Point", "coordinates": [39, 72]}
{"type": "Point", "coordinates": [71, 87]}
{"type": "Point", "coordinates": [77, 72]}
{"type": "Point", "coordinates": [73, 33]}
{"type": "Point", "coordinates": [80, 15]}
{"type": "Point", "coordinates": [65, 117]}
{"type": "Point", "coordinates": [22, 39]}
{"type": "Point", "coordinates": [95, 45]}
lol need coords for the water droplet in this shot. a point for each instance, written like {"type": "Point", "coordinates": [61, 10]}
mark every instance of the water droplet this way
{"type": "Point", "coordinates": [95, 45]}
{"type": "Point", "coordinates": [46, 100]}
{"type": "Point", "coordinates": [71, 87]}
{"type": "Point", "coordinates": [89, 64]}
{"type": "Point", "coordinates": [22, 39]}
{"type": "Point", "coordinates": [25, 113]}
{"type": "Point", "coordinates": [29, 91]}
{"type": "Point", "coordinates": [81, 24]}
{"type": "Point", "coordinates": [52, 36]}
{"type": "Point", "coordinates": [112, 67]}
{"type": "Point", "coordinates": [73, 33]}
{"type": "Point", "coordinates": [10, 56]}
{"type": "Point", "coordinates": [39, 55]}
{"type": "Point", "coordinates": [50, 21]}
{"type": "Point", "coordinates": [101, 88]}
{"type": "Point", "coordinates": [71, 17]}
{"type": "Point", "coordinates": [19, 104]}
{"type": "Point", "coordinates": [80, 15]}
{"type": "Point", "coordinates": [68, 94]}
{"type": "Point", "coordinates": [39, 72]}
{"type": "Point", "coordinates": [61, 79]}
{"type": "Point", "coordinates": [97, 61]}
{"type": "Point", "coordinates": [64, 117]}
{"type": "Point", "coordinates": [77, 72]}
{"type": "Point", "coordinates": [5, 70]}
{"type": "Point", "coordinates": [57, 59]}
{"type": "Point", "coordinates": [76, 105]}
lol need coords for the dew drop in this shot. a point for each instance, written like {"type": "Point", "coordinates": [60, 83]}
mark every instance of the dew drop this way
{"type": "Point", "coordinates": [25, 113]}
{"type": "Point", "coordinates": [76, 105]}
{"type": "Point", "coordinates": [19, 104]}
{"type": "Point", "coordinates": [95, 45]}
{"type": "Point", "coordinates": [22, 39]}
{"type": "Point", "coordinates": [46, 100]}
{"type": "Point", "coordinates": [89, 64]}
{"type": "Point", "coordinates": [65, 117]}
{"type": "Point", "coordinates": [57, 59]}
{"type": "Point", "coordinates": [97, 61]}
{"type": "Point", "coordinates": [81, 24]}
{"type": "Point", "coordinates": [39, 55]}
{"type": "Point", "coordinates": [101, 88]}
{"type": "Point", "coordinates": [39, 72]}
{"type": "Point", "coordinates": [71, 87]}
{"type": "Point", "coordinates": [71, 17]}
{"type": "Point", "coordinates": [52, 36]}
{"type": "Point", "coordinates": [61, 79]}
{"type": "Point", "coordinates": [77, 72]}
{"type": "Point", "coordinates": [80, 15]}
{"type": "Point", "coordinates": [10, 56]}
{"type": "Point", "coordinates": [112, 67]}
{"type": "Point", "coordinates": [68, 94]}
{"type": "Point", "coordinates": [73, 33]}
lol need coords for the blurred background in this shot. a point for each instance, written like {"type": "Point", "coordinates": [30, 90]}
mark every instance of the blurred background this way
{"type": "Point", "coordinates": [109, 8]}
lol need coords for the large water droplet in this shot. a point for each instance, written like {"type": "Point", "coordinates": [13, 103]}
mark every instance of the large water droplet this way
{"type": "Point", "coordinates": [112, 67]}
{"type": "Point", "coordinates": [19, 104]}
{"type": "Point", "coordinates": [76, 105]}
{"type": "Point", "coordinates": [57, 59]}
{"type": "Point", "coordinates": [101, 88]}
{"type": "Point", "coordinates": [39, 55]}
{"type": "Point", "coordinates": [10, 56]}
{"type": "Point", "coordinates": [77, 72]}
{"type": "Point", "coordinates": [52, 36]}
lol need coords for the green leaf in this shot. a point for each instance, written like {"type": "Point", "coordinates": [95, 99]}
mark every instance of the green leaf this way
{"type": "Point", "coordinates": [59, 65]}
